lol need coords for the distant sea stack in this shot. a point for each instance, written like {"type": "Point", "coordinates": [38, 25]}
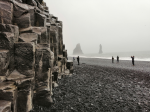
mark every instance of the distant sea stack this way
{"type": "Point", "coordinates": [100, 49]}
{"type": "Point", "coordinates": [77, 50]}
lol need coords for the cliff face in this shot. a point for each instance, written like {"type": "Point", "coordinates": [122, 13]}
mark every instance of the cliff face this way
{"type": "Point", "coordinates": [77, 50]}
{"type": "Point", "coordinates": [32, 54]}
{"type": "Point", "coordinates": [100, 49]}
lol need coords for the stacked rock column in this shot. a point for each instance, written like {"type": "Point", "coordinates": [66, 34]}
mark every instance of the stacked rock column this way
{"type": "Point", "coordinates": [31, 54]}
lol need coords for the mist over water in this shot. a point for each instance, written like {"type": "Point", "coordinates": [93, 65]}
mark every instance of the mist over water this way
{"type": "Point", "coordinates": [139, 55]}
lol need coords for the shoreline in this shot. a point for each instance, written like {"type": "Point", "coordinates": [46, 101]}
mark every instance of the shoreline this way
{"type": "Point", "coordinates": [143, 66]}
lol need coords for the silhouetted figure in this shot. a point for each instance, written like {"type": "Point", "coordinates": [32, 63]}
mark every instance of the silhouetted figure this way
{"type": "Point", "coordinates": [78, 60]}
{"type": "Point", "coordinates": [132, 60]}
{"type": "Point", "coordinates": [118, 59]}
{"type": "Point", "coordinates": [112, 59]}
{"type": "Point", "coordinates": [73, 58]}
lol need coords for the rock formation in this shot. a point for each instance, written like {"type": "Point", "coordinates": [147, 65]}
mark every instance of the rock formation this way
{"type": "Point", "coordinates": [77, 50]}
{"type": "Point", "coordinates": [100, 49]}
{"type": "Point", "coordinates": [32, 55]}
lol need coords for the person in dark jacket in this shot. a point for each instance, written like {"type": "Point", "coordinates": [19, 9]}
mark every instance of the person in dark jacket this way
{"type": "Point", "coordinates": [78, 60]}
{"type": "Point", "coordinates": [132, 60]}
{"type": "Point", "coordinates": [118, 59]}
{"type": "Point", "coordinates": [112, 59]}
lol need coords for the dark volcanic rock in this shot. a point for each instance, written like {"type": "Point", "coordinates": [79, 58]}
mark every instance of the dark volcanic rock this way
{"type": "Point", "coordinates": [7, 40]}
{"type": "Point", "coordinates": [10, 28]}
{"type": "Point", "coordinates": [5, 106]}
{"type": "Point", "coordinates": [6, 12]}
{"type": "Point", "coordinates": [25, 91]}
{"type": "Point", "coordinates": [4, 62]}
{"type": "Point", "coordinates": [25, 58]}
{"type": "Point", "coordinates": [28, 37]}
{"type": "Point", "coordinates": [8, 92]}
{"type": "Point", "coordinates": [77, 50]}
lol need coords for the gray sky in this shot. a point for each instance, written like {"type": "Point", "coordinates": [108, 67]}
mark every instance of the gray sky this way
{"type": "Point", "coordinates": [119, 25]}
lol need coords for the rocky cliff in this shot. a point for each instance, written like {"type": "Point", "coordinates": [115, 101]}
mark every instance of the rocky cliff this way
{"type": "Point", "coordinates": [100, 49]}
{"type": "Point", "coordinates": [77, 50]}
{"type": "Point", "coordinates": [32, 55]}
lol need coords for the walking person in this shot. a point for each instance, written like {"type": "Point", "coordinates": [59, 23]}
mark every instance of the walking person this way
{"type": "Point", "coordinates": [118, 59]}
{"type": "Point", "coordinates": [112, 59]}
{"type": "Point", "coordinates": [132, 60]}
{"type": "Point", "coordinates": [78, 60]}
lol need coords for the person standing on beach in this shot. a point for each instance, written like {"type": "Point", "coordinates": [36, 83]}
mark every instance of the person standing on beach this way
{"type": "Point", "coordinates": [132, 60]}
{"type": "Point", "coordinates": [78, 59]}
{"type": "Point", "coordinates": [118, 59]}
{"type": "Point", "coordinates": [112, 59]}
{"type": "Point", "coordinates": [73, 58]}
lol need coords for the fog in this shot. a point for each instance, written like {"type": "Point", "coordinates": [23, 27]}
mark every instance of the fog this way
{"type": "Point", "coordinates": [119, 25]}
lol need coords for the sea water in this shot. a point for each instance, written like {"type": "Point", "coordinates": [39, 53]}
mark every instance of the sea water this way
{"type": "Point", "coordinates": [138, 55]}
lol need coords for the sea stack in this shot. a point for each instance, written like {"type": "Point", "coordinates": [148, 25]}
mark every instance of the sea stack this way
{"type": "Point", "coordinates": [100, 49]}
{"type": "Point", "coordinates": [77, 50]}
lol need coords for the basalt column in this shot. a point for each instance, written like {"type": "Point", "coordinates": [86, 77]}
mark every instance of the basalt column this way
{"type": "Point", "coordinates": [32, 55]}
{"type": "Point", "coordinates": [43, 68]}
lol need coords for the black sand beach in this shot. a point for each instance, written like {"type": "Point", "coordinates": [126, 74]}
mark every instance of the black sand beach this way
{"type": "Point", "coordinates": [97, 85]}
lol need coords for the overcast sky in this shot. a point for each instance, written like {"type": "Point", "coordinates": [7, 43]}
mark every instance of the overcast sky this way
{"type": "Point", "coordinates": [119, 25]}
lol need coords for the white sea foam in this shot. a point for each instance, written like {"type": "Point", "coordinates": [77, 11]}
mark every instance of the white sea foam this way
{"type": "Point", "coordinates": [139, 56]}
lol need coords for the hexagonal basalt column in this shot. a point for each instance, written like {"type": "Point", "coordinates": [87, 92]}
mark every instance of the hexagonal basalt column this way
{"type": "Point", "coordinates": [25, 86]}
{"type": "Point", "coordinates": [24, 15]}
{"type": "Point", "coordinates": [25, 58]}
{"type": "Point", "coordinates": [7, 43]}
{"type": "Point", "coordinates": [28, 37]}
{"type": "Point", "coordinates": [4, 62]}
{"type": "Point", "coordinates": [10, 28]}
{"type": "Point", "coordinates": [8, 92]}
{"type": "Point", "coordinates": [6, 12]}
{"type": "Point", "coordinates": [40, 31]}
{"type": "Point", "coordinates": [43, 63]}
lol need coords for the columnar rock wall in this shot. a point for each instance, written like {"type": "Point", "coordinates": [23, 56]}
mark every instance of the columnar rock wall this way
{"type": "Point", "coordinates": [32, 55]}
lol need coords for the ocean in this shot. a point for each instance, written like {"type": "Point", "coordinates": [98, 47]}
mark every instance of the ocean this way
{"type": "Point", "coordinates": [138, 55]}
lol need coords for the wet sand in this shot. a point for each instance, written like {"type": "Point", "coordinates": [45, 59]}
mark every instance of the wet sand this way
{"type": "Point", "coordinates": [100, 86]}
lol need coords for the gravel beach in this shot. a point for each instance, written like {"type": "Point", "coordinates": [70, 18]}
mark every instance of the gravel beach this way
{"type": "Point", "coordinates": [97, 85]}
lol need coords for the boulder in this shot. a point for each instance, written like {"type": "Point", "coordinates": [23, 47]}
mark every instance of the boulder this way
{"type": "Point", "coordinates": [43, 97]}
{"type": "Point", "coordinates": [25, 58]}
{"type": "Point", "coordinates": [77, 50]}
{"type": "Point", "coordinates": [69, 65]}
